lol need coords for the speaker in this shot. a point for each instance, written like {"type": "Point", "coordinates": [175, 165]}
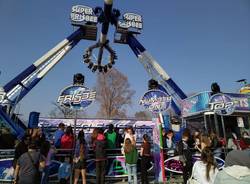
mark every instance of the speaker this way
{"type": "Point", "coordinates": [215, 88]}
{"type": "Point", "coordinates": [153, 84]}
{"type": "Point", "coordinates": [78, 79]}
{"type": "Point", "coordinates": [33, 119]}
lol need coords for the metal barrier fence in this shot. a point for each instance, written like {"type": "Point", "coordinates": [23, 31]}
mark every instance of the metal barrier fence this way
{"type": "Point", "coordinates": [115, 165]}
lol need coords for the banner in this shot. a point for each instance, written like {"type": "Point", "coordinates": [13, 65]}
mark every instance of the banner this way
{"type": "Point", "coordinates": [158, 152]}
{"type": "Point", "coordinates": [140, 127]}
{"type": "Point", "coordinates": [156, 101]}
{"type": "Point", "coordinates": [199, 103]}
{"type": "Point", "coordinates": [76, 97]}
{"type": "Point", "coordinates": [221, 104]}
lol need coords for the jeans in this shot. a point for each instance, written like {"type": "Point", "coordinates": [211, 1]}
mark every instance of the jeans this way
{"type": "Point", "coordinates": [100, 172]}
{"type": "Point", "coordinates": [132, 171]}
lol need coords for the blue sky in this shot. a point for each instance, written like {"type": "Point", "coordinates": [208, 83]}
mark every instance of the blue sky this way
{"type": "Point", "coordinates": [197, 42]}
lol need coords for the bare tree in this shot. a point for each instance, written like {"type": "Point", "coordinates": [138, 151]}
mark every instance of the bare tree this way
{"type": "Point", "coordinates": [113, 94]}
{"type": "Point", "coordinates": [143, 115]}
{"type": "Point", "coordinates": [64, 112]}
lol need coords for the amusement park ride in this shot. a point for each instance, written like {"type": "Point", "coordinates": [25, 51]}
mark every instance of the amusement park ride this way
{"type": "Point", "coordinates": [126, 28]}
{"type": "Point", "coordinates": [210, 111]}
{"type": "Point", "coordinates": [86, 19]}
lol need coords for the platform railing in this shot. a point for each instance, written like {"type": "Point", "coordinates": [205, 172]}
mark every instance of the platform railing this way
{"type": "Point", "coordinates": [115, 163]}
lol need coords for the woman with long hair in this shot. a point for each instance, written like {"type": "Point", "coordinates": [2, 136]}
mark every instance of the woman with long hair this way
{"type": "Point", "coordinates": [205, 171]}
{"type": "Point", "coordinates": [131, 157]}
{"type": "Point", "coordinates": [80, 158]}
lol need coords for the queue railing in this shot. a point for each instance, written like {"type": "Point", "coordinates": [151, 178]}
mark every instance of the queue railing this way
{"type": "Point", "coordinates": [115, 169]}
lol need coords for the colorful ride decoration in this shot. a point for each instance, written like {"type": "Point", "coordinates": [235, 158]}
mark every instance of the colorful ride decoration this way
{"type": "Point", "coordinates": [115, 167]}
{"type": "Point", "coordinates": [174, 164]}
{"type": "Point", "coordinates": [76, 97]}
{"type": "Point", "coordinates": [157, 101]}
{"type": "Point", "coordinates": [199, 103]}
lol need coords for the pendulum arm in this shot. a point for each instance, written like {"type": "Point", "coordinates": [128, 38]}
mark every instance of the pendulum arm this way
{"type": "Point", "coordinates": [157, 73]}
{"type": "Point", "coordinates": [27, 79]}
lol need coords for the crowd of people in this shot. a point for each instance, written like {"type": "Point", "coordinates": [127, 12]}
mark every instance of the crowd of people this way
{"type": "Point", "coordinates": [205, 171]}
{"type": "Point", "coordinates": [33, 155]}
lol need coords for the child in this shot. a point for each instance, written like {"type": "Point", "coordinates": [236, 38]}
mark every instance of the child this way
{"type": "Point", "coordinates": [131, 157]}
{"type": "Point", "coordinates": [64, 171]}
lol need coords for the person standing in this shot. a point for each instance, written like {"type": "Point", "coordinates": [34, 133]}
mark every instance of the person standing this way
{"type": "Point", "coordinates": [170, 144]}
{"type": "Point", "coordinates": [29, 165]}
{"type": "Point", "coordinates": [185, 155]}
{"type": "Point", "coordinates": [145, 159]}
{"type": "Point", "coordinates": [216, 145]}
{"type": "Point", "coordinates": [58, 135]}
{"type": "Point", "coordinates": [119, 138]}
{"type": "Point", "coordinates": [44, 150]}
{"type": "Point", "coordinates": [99, 146]}
{"type": "Point", "coordinates": [67, 140]}
{"type": "Point", "coordinates": [236, 169]}
{"type": "Point", "coordinates": [111, 137]}
{"type": "Point", "coordinates": [233, 142]}
{"type": "Point", "coordinates": [64, 171]}
{"type": "Point", "coordinates": [245, 141]}
{"type": "Point", "coordinates": [130, 135]}
{"type": "Point", "coordinates": [205, 171]}
{"type": "Point", "coordinates": [80, 158]}
{"type": "Point", "coordinates": [21, 148]}
{"type": "Point", "coordinates": [131, 157]}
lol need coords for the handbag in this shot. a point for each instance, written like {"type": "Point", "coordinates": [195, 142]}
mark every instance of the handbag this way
{"type": "Point", "coordinates": [191, 180]}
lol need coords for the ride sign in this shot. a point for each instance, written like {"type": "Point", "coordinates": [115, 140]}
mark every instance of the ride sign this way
{"type": "Point", "coordinates": [76, 97]}
{"type": "Point", "coordinates": [131, 20]}
{"type": "Point", "coordinates": [156, 101]}
{"type": "Point", "coordinates": [80, 14]}
{"type": "Point", "coordinates": [221, 104]}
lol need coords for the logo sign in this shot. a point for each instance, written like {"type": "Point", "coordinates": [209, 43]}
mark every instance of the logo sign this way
{"type": "Point", "coordinates": [131, 20]}
{"type": "Point", "coordinates": [76, 97]}
{"type": "Point", "coordinates": [156, 101]}
{"type": "Point", "coordinates": [80, 14]}
{"type": "Point", "coordinates": [221, 104]}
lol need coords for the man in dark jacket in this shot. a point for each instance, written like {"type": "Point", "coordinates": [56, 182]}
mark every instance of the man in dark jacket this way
{"type": "Point", "coordinates": [185, 156]}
